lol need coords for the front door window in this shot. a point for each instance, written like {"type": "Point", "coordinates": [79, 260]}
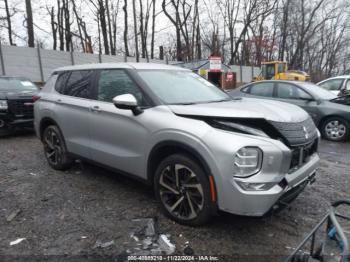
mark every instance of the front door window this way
{"type": "Point", "coordinates": [115, 82]}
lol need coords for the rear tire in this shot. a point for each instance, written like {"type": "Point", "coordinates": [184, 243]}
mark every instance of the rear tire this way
{"type": "Point", "coordinates": [182, 188]}
{"type": "Point", "coordinates": [55, 149]}
{"type": "Point", "coordinates": [335, 129]}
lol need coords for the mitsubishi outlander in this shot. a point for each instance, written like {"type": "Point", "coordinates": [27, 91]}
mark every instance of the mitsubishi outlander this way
{"type": "Point", "coordinates": [200, 149]}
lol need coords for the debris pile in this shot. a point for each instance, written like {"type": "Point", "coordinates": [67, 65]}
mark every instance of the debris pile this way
{"type": "Point", "coordinates": [145, 239]}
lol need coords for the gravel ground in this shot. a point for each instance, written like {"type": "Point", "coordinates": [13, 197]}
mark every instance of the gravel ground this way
{"type": "Point", "coordinates": [66, 213]}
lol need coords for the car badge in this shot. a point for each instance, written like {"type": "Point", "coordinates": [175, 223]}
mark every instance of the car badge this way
{"type": "Point", "coordinates": [306, 132]}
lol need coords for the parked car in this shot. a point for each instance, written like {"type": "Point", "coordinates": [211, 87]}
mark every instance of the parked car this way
{"type": "Point", "coordinates": [200, 149]}
{"type": "Point", "coordinates": [339, 85]}
{"type": "Point", "coordinates": [329, 112]}
{"type": "Point", "coordinates": [16, 103]}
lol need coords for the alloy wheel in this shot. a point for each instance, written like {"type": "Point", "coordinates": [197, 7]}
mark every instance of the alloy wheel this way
{"type": "Point", "coordinates": [335, 129]}
{"type": "Point", "coordinates": [181, 192]}
{"type": "Point", "coordinates": [53, 147]}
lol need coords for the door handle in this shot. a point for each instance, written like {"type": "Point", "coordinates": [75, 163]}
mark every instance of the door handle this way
{"type": "Point", "coordinates": [58, 101]}
{"type": "Point", "coordinates": [95, 109]}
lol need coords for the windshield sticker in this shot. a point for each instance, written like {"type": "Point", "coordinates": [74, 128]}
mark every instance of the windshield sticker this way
{"type": "Point", "coordinates": [26, 83]}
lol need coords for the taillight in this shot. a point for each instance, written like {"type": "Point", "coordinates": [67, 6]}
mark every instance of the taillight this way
{"type": "Point", "coordinates": [35, 98]}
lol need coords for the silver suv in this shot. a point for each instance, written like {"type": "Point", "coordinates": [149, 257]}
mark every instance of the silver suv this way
{"type": "Point", "coordinates": [200, 149]}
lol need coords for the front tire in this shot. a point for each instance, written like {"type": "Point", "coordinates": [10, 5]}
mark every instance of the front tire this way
{"type": "Point", "coordinates": [182, 188]}
{"type": "Point", "coordinates": [335, 129]}
{"type": "Point", "coordinates": [55, 149]}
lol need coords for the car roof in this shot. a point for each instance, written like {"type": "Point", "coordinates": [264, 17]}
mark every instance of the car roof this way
{"type": "Point", "coordinates": [271, 81]}
{"type": "Point", "coordinates": [154, 66]}
{"type": "Point", "coordinates": [336, 77]}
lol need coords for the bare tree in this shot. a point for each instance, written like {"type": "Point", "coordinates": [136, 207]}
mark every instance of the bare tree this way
{"type": "Point", "coordinates": [125, 9]}
{"type": "Point", "coordinates": [9, 24]}
{"type": "Point", "coordinates": [110, 30]}
{"type": "Point", "coordinates": [85, 38]}
{"type": "Point", "coordinates": [144, 16]}
{"type": "Point", "coordinates": [51, 12]}
{"type": "Point", "coordinates": [30, 28]}
{"type": "Point", "coordinates": [67, 24]}
{"type": "Point", "coordinates": [305, 27]}
{"type": "Point", "coordinates": [153, 27]}
{"type": "Point", "coordinates": [135, 32]}
{"type": "Point", "coordinates": [100, 13]}
{"type": "Point", "coordinates": [182, 10]}
{"type": "Point", "coordinates": [114, 11]}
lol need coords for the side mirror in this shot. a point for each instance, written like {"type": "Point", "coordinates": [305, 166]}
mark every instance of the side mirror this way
{"type": "Point", "coordinates": [127, 102]}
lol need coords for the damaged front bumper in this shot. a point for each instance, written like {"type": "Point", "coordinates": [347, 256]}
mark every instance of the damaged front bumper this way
{"type": "Point", "coordinates": [279, 195]}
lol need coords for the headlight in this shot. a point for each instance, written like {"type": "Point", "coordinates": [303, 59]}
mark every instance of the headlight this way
{"type": "Point", "coordinates": [247, 161]}
{"type": "Point", "coordinates": [3, 105]}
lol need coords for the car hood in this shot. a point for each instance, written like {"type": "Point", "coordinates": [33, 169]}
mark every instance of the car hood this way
{"type": "Point", "coordinates": [17, 94]}
{"type": "Point", "coordinates": [344, 100]}
{"type": "Point", "coordinates": [244, 108]}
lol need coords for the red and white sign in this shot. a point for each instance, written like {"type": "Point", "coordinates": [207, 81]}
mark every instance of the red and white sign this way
{"type": "Point", "coordinates": [229, 76]}
{"type": "Point", "coordinates": [214, 63]}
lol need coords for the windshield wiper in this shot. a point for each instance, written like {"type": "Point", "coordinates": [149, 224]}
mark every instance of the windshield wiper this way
{"type": "Point", "coordinates": [218, 101]}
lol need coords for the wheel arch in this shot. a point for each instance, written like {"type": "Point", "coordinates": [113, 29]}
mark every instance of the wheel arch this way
{"type": "Point", "coordinates": [325, 118]}
{"type": "Point", "coordinates": [44, 123]}
{"type": "Point", "coordinates": [166, 148]}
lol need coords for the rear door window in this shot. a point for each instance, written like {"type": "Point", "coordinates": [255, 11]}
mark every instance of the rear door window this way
{"type": "Point", "coordinates": [77, 84]}
{"type": "Point", "coordinates": [262, 89]}
{"type": "Point", "coordinates": [288, 91]}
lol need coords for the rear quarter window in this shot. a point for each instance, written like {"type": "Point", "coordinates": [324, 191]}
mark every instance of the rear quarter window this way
{"type": "Point", "coordinates": [262, 89]}
{"type": "Point", "coordinates": [61, 82]}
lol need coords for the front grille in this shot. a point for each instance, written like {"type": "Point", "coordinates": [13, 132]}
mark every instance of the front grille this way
{"type": "Point", "coordinates": [302, 154]}
{"type": "Point", "coordinates": [295, 134]}
{"type": "Point", "coordinates": [21, 108]}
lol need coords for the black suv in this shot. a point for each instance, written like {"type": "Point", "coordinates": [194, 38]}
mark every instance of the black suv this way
{"type": "Point", "coordinates": [17, 96]}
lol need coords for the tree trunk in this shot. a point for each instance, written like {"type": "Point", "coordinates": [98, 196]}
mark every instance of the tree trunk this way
{"type": "Point", "coordinates": [143, 47]}
{"type": "Point", "coordinates": [110, 29]}
{"type": "Point", "coordinates": [79, 24]}
{"type": "Point", "coordinates": [60, 25]}
{"type": "Point", "coordinates": [135, 32]}
{"type": "Point", "coordinates": [9, 26]}
{"type": "Point", "coordinates": [153, 27]}
{"type": "Point", "coordinates": [198, 43]}
{"type": "Point", "coordinates": [125, 9]}
{"type": "Point", "coordinates": [177, 23]}
{"type": "Point", "coordinates": [99, 35]}
{"type": "Point", "coordinates": [284, 31]}
{"type": "Point", "coordinates": [102, 13]}
{"type": "Point", "coordinates": [53, 28]}
{"type": "Point", "coordinates": [67, 31]}
{"type": "Point", "coordinates": [30, 29]}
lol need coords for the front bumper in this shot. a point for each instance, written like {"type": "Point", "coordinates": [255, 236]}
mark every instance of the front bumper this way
{"type": "Point", "coordinates": [258, 203]}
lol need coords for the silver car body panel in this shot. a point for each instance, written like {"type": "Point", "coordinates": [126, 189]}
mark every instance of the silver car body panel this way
{"type": "Point", "coordinates": [119, 139]}
{"type": "Point", "coordinates": [245, 108]}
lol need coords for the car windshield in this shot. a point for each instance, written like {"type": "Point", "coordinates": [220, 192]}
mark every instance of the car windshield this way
{"type": "Point", "coordinates": [12, 83]}
{"type": "Point", "coordinates": [182, 87]}
{"type": "Point", "coordinates": [317, 91]}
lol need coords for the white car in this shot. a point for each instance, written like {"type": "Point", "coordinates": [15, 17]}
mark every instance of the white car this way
{"type": "Point", "coordinates": [337, 85]}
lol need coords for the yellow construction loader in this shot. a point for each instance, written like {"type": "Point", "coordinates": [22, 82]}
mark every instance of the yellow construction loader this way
{"type": "Point", "coordinates": [279, 70]}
